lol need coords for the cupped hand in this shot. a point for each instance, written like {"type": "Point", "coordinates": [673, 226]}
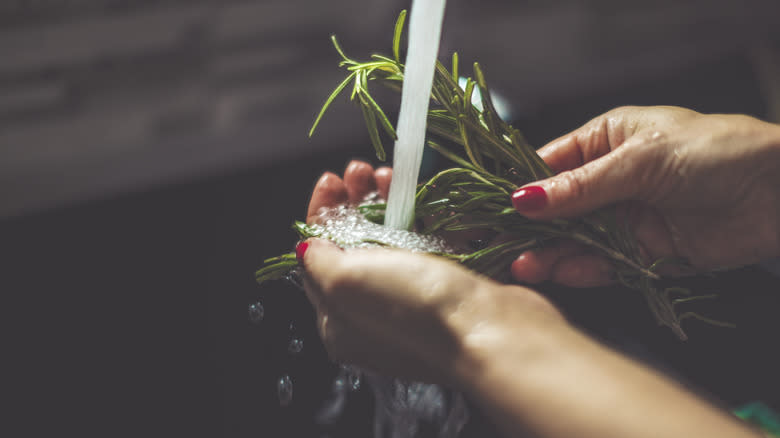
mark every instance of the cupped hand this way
{"type": "Point", "coordinates": [414, 315]}
{"type": "Point", "coordinates": [702, 187]}
{"type": "Point", "coordinates": [396, 312]}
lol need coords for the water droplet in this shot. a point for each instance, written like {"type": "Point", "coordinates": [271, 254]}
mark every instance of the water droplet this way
{"type": "Point", "coordinates": [292, 326]}
{"type": "Point", "coordinates": [295, 277]}
{"type": "Point", "coordinates": [353, 381]}
{"type": "Point", "coordinates": [256, 313]}
{"type": "Point", "coordinates": [339, 384]}
{"type": "Point", "coordinates": [284, 389]}
{"type": "Point", "coordinates": [295, 346]}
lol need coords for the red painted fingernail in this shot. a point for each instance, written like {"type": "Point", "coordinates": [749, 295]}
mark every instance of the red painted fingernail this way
{"type": "Point", "coordinates": [529, 199]}
{"type": "Point", "coordinates": [300, 250]}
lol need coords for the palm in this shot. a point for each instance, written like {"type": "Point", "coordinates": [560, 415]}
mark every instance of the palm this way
{"type": "Point", "coordinates": [359, 180]}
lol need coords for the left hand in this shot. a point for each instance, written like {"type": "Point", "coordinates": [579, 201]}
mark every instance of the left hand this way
{"type": "Point", "coordinates": [393, 311]}
{"type": "Point", "coordinates": [413, 315]}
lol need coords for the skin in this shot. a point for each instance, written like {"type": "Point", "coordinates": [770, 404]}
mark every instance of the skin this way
{"type": "Point", "coordinates": [702, 187]}
{"type": "Point", "coordinates": [506, 346]}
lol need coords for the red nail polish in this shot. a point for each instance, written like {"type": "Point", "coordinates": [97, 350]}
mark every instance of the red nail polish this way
{"type": "Point", "coordinates": [300, 250]}
{"type": "Point", "coordinates": [529, 199]}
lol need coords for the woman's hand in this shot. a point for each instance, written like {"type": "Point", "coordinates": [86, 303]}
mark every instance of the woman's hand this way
{"type": "Point", "coordinates": [413, 315]}
{"type": "Point", "coordinates": [703, 187]}
{"type": "Point", "coordinates": [394, 311]}
{"type": "Point", "coordinates": [360, 179]}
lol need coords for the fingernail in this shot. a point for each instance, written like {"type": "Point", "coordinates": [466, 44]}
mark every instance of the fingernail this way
{"type": "Point", "coordinates": [528, 199]}
{"type": "Point", "coordinates": [300, 251]}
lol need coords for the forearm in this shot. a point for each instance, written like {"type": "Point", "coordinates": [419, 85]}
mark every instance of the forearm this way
{"type": "Point", "coordinates": [562, 384]}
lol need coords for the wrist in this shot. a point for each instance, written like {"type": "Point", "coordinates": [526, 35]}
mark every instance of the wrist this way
{"type": "Point", "coordinates": [531, 370]}
{"type": "Point", "coordinates": [505, 331]}
{"type": "Point", "coordinates": [512, 364]}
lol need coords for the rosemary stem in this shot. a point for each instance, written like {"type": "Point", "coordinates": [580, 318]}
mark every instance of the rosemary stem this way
{"type": "Point", "coordinates": [614, 254]}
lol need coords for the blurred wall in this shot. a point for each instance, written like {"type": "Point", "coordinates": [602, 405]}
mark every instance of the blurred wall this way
{"type": "Point", "coordinates": [99, 97]}
{"type": "Point", "coordinates": [546, 52]}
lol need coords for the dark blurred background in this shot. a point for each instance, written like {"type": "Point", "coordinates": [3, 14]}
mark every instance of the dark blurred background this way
{"type": "Point", "coordinates": [154, 152]}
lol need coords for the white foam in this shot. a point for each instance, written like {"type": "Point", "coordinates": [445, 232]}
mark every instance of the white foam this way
{"type": "Point", "coordinates": [348, 228]}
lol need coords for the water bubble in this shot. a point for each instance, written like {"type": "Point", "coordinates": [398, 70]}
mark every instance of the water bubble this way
{"type": "Point", "coordinates": [284, 390]}
{"type": "Point", "coordinates": [372, 198]}
{"type": "Point", "coordinates": [256, 312]}
{"type": "Point", "coordinates": [347, 227]}
{"type": "Point", "coordinates": [295, 346]}
{"type": "Point", "coordinates": [292, 326]}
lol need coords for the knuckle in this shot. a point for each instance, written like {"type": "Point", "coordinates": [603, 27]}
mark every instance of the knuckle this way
{"type": "Point", "coordinates": [575, 182]}
{"type": "Point", "coordinates": [625, 109]}
{"type": "Point", "coordinates": [621, 112]}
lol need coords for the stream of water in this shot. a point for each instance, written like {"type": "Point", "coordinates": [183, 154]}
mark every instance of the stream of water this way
{"type": "Point", "coordinates": [402, 408]}
{"type": "Point", "coordinates": [424, 35]}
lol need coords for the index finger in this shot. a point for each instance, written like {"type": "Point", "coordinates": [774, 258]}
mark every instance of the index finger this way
{"type": "Point", "coordinates": [590, 141]}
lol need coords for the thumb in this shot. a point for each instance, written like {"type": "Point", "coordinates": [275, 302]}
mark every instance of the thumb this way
{"type": "Point", "coordinates": [319, 257]}
{"type": "Point", "coordinates": [611, 178]}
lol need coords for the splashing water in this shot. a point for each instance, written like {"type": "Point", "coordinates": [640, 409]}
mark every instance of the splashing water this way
{"type": "Point", "coordinates": [424, 34]}
{"type": "Point", "coordinates": [256, 312]}
{"type": "Point", "coordinates": [401, 407]}
{"type": "Point", "coordinates": [348, 228]}
{"type": "Point", "coordinates": [284, 390]}
{"type": "Point", "coordinates": [354, 380]}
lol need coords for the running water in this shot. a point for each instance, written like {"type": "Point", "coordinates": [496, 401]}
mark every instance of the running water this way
{"type": "Point", "coordinates": [402, 408]}
{"type": "Point", "coordinates": [424, 34]}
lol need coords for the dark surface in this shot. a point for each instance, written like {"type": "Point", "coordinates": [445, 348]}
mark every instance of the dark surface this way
{"type": "Point", "coordinates": [128, 316]}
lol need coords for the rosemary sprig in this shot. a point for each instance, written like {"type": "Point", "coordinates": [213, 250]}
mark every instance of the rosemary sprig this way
{"type": "Point", "coordinates": [472, 197]}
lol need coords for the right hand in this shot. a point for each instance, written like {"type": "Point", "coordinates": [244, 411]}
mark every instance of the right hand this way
{"type": "Point", "coordinates": [703, 187]}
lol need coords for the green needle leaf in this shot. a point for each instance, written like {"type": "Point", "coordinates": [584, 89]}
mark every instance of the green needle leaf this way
{"type": "Point", "coordinates": [373, 133]}
{"type": "Point", "coordinates": [330, 99]}
{"type": "Point", "coordinates": [338, 49]}
{"type": "Point", "coordinates": [455, 76]}
{"type": "Point", "coordinates": [399, 27]}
